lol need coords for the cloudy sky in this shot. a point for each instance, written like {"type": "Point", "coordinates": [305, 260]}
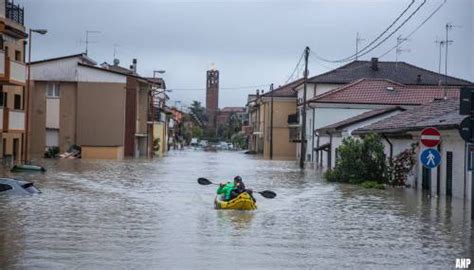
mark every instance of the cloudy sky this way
{"type": "Point", "coordinates": [252, 43]}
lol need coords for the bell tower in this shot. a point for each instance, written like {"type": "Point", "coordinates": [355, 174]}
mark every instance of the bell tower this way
{"type": "Point", "coordinates": [212, 98]}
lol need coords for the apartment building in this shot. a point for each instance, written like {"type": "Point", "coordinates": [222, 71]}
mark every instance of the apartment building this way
{"type": "Point", "coordinates": [12, 80]}
{"type": "Point", "coordinates": [100, 108]}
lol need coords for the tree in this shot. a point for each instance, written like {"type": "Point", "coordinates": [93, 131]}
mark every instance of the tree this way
{"type": "Point", "coordinates": [199, 111]}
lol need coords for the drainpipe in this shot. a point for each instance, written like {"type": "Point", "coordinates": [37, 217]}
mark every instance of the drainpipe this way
{"type": "Point", "coordinates": [330, 150]}
{"type": "Point", "coordinates": [312, 139]}
{"type": "Point", "coordinates": [391, 147]}
{"type": "Point", "coordinates": [317, 153]}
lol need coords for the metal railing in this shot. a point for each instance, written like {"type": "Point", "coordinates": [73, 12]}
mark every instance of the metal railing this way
{"type": "Point", "coordinates": [14, 12]}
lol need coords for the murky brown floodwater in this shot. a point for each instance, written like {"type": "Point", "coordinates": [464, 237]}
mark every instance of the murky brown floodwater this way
{"type": "Point", "coordinates": [153, 215]}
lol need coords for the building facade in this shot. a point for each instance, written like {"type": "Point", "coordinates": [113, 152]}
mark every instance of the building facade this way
{"type": "Point", "coordinates": [12, 81]}
{"type": "Point", "coordinates": [398, 72]}
{"type": "Point", "coordinates": [75, 102]}
{"type": "Point", "coordinates": [271, 132]}
{"type": "Point", "coordinates": [452, 177]}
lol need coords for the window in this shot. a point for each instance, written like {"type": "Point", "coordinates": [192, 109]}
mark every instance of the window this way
{"type": "Point", "coordinates": [17, 55]}
{"type": "Point", "coordinates": [6, 51]}
{"type": "Point", "coordinates": [1, 41]}
{"type": "Point", "coordinates": [52, 90]}
{"type": "Point", "coordinates": [17, 105]}
{"type": "Point", "coordinates": [5, 187]}
{"type": "Point", "coordinates": [3, 99]}
{"type": "Point", "coordinates": [1, 96]}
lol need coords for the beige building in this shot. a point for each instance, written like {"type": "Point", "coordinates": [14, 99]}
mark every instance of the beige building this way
{"type": "Point", "coordinates": [273, 138]}
{"type": "Point", "coordinates": [12, 80]}
{"type": "Point", "coordinates": [75, 102]}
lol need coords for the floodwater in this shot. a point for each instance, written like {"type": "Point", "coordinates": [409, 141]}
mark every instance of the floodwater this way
{"type": "Point", "coordinates": [152, 214]}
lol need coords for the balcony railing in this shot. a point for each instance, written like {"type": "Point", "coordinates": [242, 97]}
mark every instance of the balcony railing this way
{"type": "Point", "coordinates": [11, 72]}
{"type": "Point", "coordinates": [14, 12]}
{"type": "Point", "coordinates": [16, 120]}
{"type": "Point", "coordinates": [12, 120]}
{"type": "Point", "coordinates": [2, 64]}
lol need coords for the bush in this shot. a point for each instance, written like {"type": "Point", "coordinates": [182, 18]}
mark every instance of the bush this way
{"type": "Point", "coordinates": [52, 152]}
{"type": "Point", "coordinates": [372, 184]}
{"type": "Point", "coordinates": [401, 166]}
{"type": "Point", "coordinates": [359, 160]}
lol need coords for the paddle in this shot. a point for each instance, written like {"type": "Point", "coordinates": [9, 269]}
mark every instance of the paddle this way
{"type": "Point", "coordinates": [266, 193]}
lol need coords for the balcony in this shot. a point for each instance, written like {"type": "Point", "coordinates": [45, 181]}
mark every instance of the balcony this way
{"type": "Point", "coordinates": [12, 120]}
{"type": "Point", "coordinates": [293, 120]}
{"type": "Point", "coordinates": [14, 12]}
{"type": "Point", "coordinates": [11, 72]}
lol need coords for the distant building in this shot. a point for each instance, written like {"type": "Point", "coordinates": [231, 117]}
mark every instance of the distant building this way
{"type": "Point", "coordinates": [277, 137]}
{"type": "Point", "coordinates": [212, 99]}
{"type": "Point", "coordinates": [12, 80]}
{"type": "Point", "coordinates": [227, 112]}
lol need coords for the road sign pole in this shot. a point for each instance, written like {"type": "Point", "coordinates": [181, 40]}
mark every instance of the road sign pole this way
{"type": "Point", "coordinates": [466, 130]}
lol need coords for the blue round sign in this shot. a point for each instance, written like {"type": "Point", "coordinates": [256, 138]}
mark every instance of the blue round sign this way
{"type": "Point", "coordinates": [430, 158]}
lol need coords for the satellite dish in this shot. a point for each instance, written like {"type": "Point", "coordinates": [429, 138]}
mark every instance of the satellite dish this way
{"type": "Point", "coordinates": [116, 62]}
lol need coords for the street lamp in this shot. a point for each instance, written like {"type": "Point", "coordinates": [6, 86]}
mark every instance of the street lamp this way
{"type": "Point", "coordinates": [27, 92]}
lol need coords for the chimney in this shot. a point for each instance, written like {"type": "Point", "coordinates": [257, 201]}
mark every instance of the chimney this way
{"type": "Point", "coordinates": [418, 78]}
{"type": "Point", "coordinates": [133, 67]}
{"type": "Point", "coordinates": [375, 64]}
{"type": "Point", "coordinates": [258, 93]}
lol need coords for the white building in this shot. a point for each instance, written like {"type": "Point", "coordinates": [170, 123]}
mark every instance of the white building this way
{"type": "Point", "coordinates": [319, 115]}
{"type": "Point", "coordinates": [452, 177]}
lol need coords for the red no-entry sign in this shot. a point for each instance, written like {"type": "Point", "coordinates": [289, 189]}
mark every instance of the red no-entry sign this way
{"type": "Point", "coordinates": [430, 137]}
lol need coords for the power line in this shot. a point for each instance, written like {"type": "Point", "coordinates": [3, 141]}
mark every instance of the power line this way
{"type": "Point", "coordinates": [296, 69]}
{"type": "Point", "coordinates": [221, 88]}
{"type": "Point", "coordinates": [385, 31]}
{"type": "Point", "coordinates": [398, 28]}
{"type": "Point", "coordinates": [347, 59]}
{"type": "Point", "coordinates": [416, 29]}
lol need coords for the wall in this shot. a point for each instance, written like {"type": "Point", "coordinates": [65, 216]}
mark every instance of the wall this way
{"type": "Point", "coordinates": [282, 147]}
{"type": "Point", "coordinates": [67, 112]}
{"type": "Point", "coordinates": [96, 152]}
{"type": "Point", "coordinates": [131, 115]}
{"type": "Point", "coordinates": [142, 109]}
{"type": "Point", "coordinates": [37, 114]}
{"type": "Point", "coordinates": [101, 114]}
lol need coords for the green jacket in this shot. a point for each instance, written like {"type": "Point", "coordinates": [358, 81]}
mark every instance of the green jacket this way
{"type": "Point", "coordinates": [226, 190]}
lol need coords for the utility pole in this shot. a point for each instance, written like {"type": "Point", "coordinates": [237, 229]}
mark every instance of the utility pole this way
{"type": "Point", "coordinates": [271, 121]}
{"type": "Point", "coordinates": [447, 42]}
{"type": "Point", "coordinates": [303, 112]}
{"type": "Point", "coordinates": [358, 40]}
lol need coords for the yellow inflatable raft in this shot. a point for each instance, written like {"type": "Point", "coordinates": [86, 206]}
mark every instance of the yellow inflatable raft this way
{"type": "Point", "coordinates": [242, 202]}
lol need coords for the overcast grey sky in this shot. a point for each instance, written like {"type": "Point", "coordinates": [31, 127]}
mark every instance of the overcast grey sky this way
{"type": "Point", "coordinates": [251, 42]}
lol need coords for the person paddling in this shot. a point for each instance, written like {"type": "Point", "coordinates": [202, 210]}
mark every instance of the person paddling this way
{"type": "Point", "coordinates": [231, 190]}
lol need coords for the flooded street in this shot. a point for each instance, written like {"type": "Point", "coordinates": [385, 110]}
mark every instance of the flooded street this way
{"type": "Point", "coordinates": [152, 214]}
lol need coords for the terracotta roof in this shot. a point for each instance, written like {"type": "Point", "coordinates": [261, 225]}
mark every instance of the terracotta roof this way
{"type": "Point", "coordinates": [443, 114]}
{"type": "Point", "coordinates": [286, 90]}
{"type": "Point", "coordinates": [360, 118]}
{"type": "Point", "coordinates": [384, 92]}
{"type": "Point", "coordinates": [396, 71]}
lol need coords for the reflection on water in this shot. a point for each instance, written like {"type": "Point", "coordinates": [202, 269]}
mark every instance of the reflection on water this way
{"type": "Point", "coordinates": [152, 214]}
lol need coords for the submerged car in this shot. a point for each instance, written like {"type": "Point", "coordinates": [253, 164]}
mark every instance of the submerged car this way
{"type": "Point", "coordinates": [17, 187]}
